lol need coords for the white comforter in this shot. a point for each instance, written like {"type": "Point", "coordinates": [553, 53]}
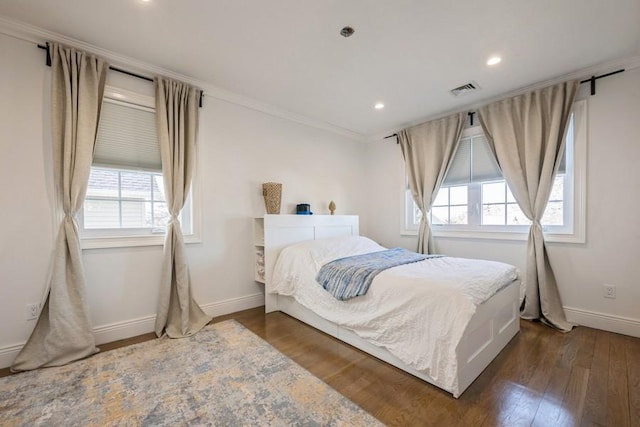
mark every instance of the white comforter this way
{"type": "Point", "coordinates": [417, 311]}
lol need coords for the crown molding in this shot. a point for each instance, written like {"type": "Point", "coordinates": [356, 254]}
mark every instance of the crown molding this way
{"type": "Point", "coordinates": [35, 35]}
{"type": "Point", "coordinates": [628, 63]}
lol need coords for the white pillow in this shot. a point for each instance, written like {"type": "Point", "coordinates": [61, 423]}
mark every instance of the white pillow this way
{"type": "Point", "coordinates": [304, 260]}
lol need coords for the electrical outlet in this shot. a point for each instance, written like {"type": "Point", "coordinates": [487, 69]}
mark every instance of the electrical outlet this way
{"type": "Point", "coordinates": [609, 291]}
{"type": "Point", "coordinates": [31, 311]}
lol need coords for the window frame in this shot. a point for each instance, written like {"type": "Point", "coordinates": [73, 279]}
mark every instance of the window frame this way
{"type": "Point", "coordinates": [134, 237]}
{"type": "Point", "coordinates": [574, 233]}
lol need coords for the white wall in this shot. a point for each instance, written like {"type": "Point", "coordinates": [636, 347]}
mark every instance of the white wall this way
{"type": "Point", "coordinates": [611, 253]}
{"type": "Point", "coordinates": [239, 149]}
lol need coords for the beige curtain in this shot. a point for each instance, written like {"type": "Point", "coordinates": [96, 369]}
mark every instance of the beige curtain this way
{"type": "Point", "coordinates": [428, 150]}
{"type": "Point", "coordinates": [177, 116]}
{"type": "Point", "coordinates": [527, 133]}
{"type": "Point", "coordinates": [63, 332]}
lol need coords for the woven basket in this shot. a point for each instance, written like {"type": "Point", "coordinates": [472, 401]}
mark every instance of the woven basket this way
{"type": "Point", "coordinates": [272, 192]}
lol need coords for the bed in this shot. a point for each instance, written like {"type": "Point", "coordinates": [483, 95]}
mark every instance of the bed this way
{"type": "Point", "coordinates": [447, 345]}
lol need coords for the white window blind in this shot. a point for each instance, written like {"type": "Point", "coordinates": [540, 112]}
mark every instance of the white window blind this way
{"type": "Point", "coordinates": [127, 137]}
{"type": "Point", "coordinates": [473, 162]}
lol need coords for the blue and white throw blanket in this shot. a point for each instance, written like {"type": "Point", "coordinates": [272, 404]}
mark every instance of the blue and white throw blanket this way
{"type": "Point", "coordinates": [350, 277]}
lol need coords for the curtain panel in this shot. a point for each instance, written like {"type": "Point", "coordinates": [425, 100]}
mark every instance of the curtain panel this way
{"type": "Point", "coordinates": [527, 135]}
{"type": "Point", "coordinates": [428, 151]}
{"type": "Point", "coordinates": [63, 332]}
{"type": "Point", "coordinates": [177, 118]}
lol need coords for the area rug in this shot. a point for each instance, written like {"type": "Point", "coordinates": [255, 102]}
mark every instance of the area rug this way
{"type": "Point", "coordinates": [224, 376]}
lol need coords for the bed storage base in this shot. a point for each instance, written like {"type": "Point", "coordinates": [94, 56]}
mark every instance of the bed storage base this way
{"type": "Point", "coordinates": [494, 324]}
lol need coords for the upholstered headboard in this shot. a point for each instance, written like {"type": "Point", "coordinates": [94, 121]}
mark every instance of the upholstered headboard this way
{"type": "Point", "coordinates": [284, 230]}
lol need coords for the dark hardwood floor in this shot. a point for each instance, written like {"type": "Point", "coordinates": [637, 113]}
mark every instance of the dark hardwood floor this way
{"type": "Point", "coordinates": [542, 378]}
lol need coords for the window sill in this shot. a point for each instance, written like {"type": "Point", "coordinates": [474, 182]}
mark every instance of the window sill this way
{"type": "Point", "coordinates": [576, 238]}
{"type": "Point", "coordinates": [130, 241]}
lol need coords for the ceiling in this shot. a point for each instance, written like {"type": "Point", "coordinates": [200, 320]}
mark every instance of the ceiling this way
{"type": "Point", "coordinates": [408, 54]}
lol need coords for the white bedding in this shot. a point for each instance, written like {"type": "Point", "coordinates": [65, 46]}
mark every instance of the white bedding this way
{"type": "Point", "coordinates": [417, 311]}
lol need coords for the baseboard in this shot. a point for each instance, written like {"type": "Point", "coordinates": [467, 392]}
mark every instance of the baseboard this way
{"type": "Point", "coordinates": [125, 329]}
{"type": "Point", "coordinates": [143, 325]}
{"type": "Point", "coordinates": [233, 305]}
{"type": "Point", "coordinates": [8, 353]}
{"type": "Point", "coordinates": [606, 322]}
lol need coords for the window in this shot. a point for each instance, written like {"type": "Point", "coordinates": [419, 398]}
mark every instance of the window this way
{"type": "Point", "coordinates": [125, 202]}
{"type": "Point", "coordinates": [125, 199]}
{"type": "Point", "coordinates": [475, 201]}
{"type": "Point", "coordinates": [451, 206]}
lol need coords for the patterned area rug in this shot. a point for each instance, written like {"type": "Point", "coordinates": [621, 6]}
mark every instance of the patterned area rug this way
{"type": "Point", "coordinates": [224, 375]}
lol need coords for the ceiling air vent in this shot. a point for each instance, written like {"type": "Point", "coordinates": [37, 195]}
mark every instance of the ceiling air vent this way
{"type": "Point", "coordinates": [465, 89]}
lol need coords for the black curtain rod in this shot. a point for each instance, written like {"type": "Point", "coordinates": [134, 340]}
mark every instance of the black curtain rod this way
{"type": "Point", "coordinates": [591, 80]}
{"type": "Point", "coordinates": [119, 70]}
{"type": "Point", "coordinates": [470, 114]}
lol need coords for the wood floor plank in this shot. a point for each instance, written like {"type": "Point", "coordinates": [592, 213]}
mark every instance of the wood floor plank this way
{"type": "Point", "coordinates": [574, 397]}
{"type": "Point", "coordinates": [618, 391]}
{"type": "Point", "coordinates": [551, 405]}
{"type": "Point", "coordinates": [542, 377]}
{"type": "Point", "coordinates": [587, 338]}
{"type": "Point", "coordinates": [525, 409]}
{"type": "Point", "coordinates": [575, 394]}
{"type": "Point", "coordinates": [595, 411]}
{"type": "Point", "coordinates": [633, 371]}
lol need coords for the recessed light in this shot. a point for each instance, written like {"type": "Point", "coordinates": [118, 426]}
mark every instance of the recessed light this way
{"type": "Point", "coordinates": [494, 60]}
{"type": "Point", "coordinates": [379, 106]}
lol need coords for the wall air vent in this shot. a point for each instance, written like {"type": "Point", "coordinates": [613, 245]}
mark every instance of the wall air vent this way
{"type": "Point", "coordinates": [465, 89]}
